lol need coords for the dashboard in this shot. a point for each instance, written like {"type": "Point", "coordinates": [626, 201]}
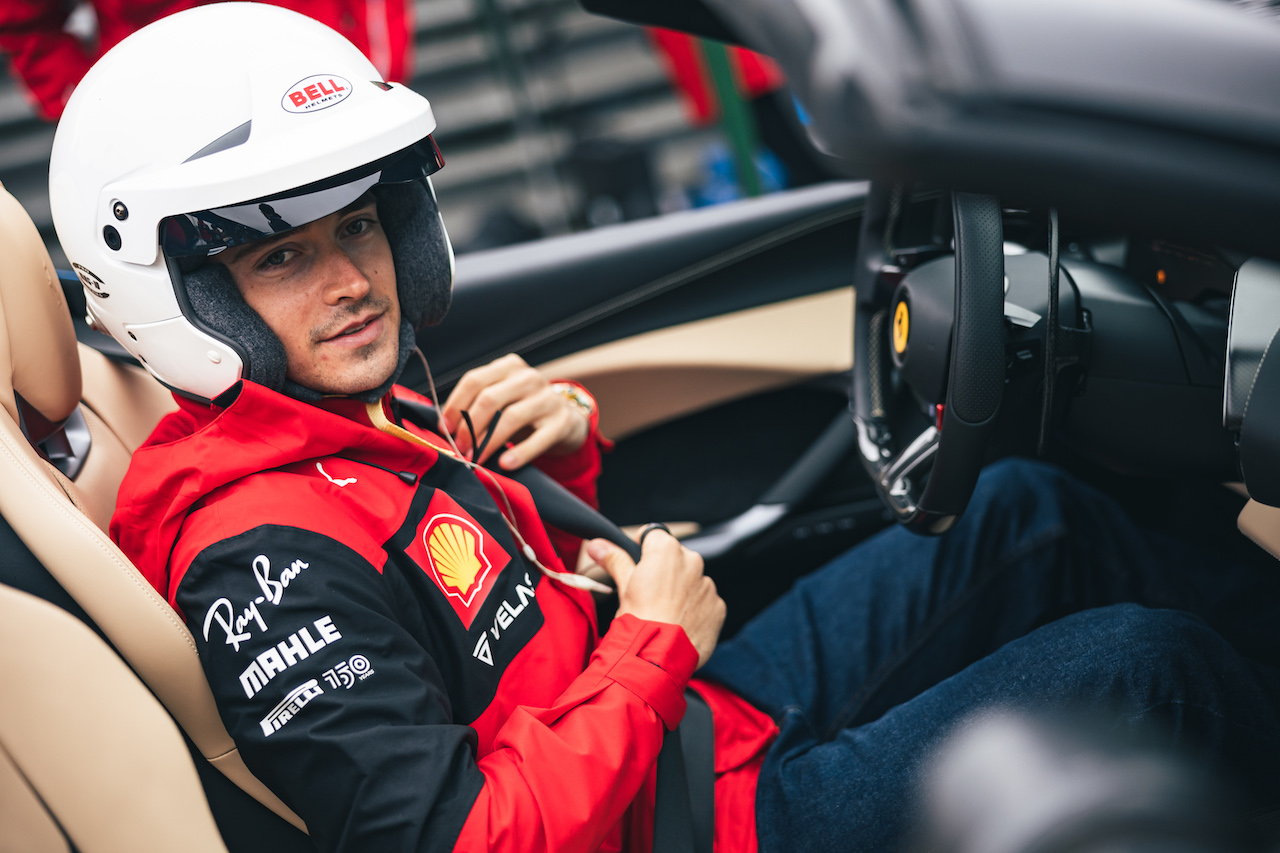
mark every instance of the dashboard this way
{"type": "Point", "coordinates": [1181, 272]}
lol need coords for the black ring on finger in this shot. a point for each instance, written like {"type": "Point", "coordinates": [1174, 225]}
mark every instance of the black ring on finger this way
{"type": "Point", "coordinates": [652, 526]}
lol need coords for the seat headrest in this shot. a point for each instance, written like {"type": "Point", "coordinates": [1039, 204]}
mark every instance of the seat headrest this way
{"type": "Point", "coordinates": [38, 357]}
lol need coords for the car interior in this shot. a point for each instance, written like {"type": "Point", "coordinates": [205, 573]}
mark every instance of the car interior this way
{"type": "Point", "coordinates": [744, 360]}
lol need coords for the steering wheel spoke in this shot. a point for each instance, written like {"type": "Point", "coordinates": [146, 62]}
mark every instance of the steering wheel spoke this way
{"type": "Point", "coordinates": [941, 330]}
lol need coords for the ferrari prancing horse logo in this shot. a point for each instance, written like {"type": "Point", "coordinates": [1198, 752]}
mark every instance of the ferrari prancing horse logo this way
{"type": "Point", "coordinates": [901, 327]}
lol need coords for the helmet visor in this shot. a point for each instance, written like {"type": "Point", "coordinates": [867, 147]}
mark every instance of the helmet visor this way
{"type": "Point", "coordinates": [207, 232]}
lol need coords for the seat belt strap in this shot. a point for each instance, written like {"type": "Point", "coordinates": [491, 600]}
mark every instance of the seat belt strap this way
{"type": "Point", "coordinates": [684, 807]}
{"type": "Point", "coordinates": [697, 743]}
{"type": "Point", "coordinates": [672, 814]}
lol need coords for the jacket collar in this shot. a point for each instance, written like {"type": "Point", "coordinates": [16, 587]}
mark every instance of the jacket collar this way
{"type": "Point", "coordinates": [203, 447]}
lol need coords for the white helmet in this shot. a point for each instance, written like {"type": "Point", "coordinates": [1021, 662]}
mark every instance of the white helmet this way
{"type": "Point", "coordinates": [220, 125]}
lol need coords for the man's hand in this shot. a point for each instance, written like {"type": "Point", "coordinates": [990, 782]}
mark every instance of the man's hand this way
{"type": "Point", "coordinates": [667, 585]}
{"type": "Point", "coordinates": [534, 414]}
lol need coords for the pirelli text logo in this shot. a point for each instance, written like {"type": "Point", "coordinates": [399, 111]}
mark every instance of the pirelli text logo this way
{"type": "Point", "coordinates": [289, 706]}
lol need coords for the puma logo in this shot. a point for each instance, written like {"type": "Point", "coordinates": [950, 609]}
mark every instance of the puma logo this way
{"type": "Point", "coordinates": [346, 481]}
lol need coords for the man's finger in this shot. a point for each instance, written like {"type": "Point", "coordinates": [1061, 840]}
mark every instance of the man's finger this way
{"type": "Point", "coordinates": [612, 559]}
{"type": "Point", "coordinates": [516, 388]}
{"type": "Point", "coordinates": [463, 395]}
{"type": "Point", "coordinates": [657, 541]}
{"type": "Point", "coordinates": [546, 436]}
{"type": "Point", "coordinates": [517, 416]}
{"type": "Point", "coordinates": [538, 415]}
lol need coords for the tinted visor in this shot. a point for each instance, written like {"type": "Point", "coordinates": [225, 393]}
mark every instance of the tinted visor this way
{"type": "Point", "coordinates": [207, 232]}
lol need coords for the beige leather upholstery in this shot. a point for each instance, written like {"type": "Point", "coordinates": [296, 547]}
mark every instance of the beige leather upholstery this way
{"type": "Point", "coordinates": [28, 826]}
{"type": "Point", "coordinates": [39, 357]}
{"type": "Point", "coordinates": [658, 376]}
{"type": "Point", "coordinates": [63, 523]}
{"type": "Point", "coordinates": [122, 404]}
{"type": "Point", "coordinates": [81, 738]}
{"type": "Point", "coordinates": [1261, 523]}
{"type": "Point", "coordinates": [126, 398]}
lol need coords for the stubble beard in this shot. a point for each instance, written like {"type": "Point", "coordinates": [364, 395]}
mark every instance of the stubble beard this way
{"type": "Point", "coordinates": [364, 356]}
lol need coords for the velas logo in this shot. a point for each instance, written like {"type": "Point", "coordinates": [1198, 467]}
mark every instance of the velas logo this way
{"type": "Point", "coordinates": [459, 555]}
{"type": "Point", "coordinates": [317, 92]}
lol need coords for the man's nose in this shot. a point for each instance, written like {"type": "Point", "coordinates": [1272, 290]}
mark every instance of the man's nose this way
{"type": "Point", "coordinates": [343, 279]}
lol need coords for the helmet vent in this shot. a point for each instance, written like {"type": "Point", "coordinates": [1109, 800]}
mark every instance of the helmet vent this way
{"type": "Point", "coordinates": [230, 139]}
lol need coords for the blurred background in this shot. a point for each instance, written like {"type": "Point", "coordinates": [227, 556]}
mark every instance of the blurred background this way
{"type": "Point", "coordinates": [550, 119]}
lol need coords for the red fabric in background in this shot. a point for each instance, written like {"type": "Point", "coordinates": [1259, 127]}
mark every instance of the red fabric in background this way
{"type": "Point", "coordinates": [686, 67]}
{"type": "Point", "coordinates": [50, 62]}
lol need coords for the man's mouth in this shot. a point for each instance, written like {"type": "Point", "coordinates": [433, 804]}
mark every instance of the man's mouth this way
{"type": "Point", "coordinates": [357, 331]}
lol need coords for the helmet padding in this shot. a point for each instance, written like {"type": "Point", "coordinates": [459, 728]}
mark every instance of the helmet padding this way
{"type": "Point", "coordinates": [218, 305]}
{"type": "Point", "coordinates": [424, 284]}
{"type": "Point", "coordinates": [420, 248]}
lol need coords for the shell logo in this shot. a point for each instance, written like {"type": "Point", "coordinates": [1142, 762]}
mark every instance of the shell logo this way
{"type": "Point", "coordinates": [455, 548]}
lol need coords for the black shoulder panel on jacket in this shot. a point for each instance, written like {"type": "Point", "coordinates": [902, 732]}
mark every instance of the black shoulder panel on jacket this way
{"type": "Point", "coordinates": [334, 704]}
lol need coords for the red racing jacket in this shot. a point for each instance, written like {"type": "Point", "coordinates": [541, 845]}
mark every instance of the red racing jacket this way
{"type": "Point", "coordinates": [385, 655]}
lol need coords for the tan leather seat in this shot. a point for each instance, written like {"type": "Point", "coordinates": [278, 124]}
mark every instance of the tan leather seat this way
{"type": "Point", "coordinates": [87, 755]}
{"type": "Point", "coordinates": [63, 522]}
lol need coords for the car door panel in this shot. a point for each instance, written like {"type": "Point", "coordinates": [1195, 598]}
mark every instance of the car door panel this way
{"type": "Point", "coordinates": [657, 376]}
{"type": "Point", "coordinates": [559, 296]}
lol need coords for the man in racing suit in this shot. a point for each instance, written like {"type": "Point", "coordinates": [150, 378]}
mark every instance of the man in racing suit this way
{"type": "Point", "coordinates": [390, 631]}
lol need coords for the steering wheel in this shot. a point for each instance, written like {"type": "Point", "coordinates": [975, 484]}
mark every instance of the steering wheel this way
{"type": "Point", "coordinates": [947, 347]}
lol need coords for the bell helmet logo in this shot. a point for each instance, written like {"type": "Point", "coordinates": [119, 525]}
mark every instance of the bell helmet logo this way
{"type": "Point", "coordinates": [317, 92]}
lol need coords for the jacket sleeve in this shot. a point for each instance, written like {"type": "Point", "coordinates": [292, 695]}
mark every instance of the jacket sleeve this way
{"type": "Point", "coordinates": [559, 778]}
{"type": "Point", "coordinates": [49, 60]}
{"type": "Point", "coordinates": [323, 677]}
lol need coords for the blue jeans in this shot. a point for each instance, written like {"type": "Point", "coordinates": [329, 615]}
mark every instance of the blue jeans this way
{"type": "Point", "coordinates": [1044, 596]}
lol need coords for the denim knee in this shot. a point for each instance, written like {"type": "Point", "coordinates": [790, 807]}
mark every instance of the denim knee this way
{"type": "Point", "coordinates": [1013, 481]}
{"type": "Point", "coordinates": [1150, 656]}
{"type": "Point", "coordinates": [1137, 629]}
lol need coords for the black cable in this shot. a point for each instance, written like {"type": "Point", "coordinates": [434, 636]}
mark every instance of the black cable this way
{"type": "Point", "coordinates": [407, 477]}
{"type": "Point", "coordinates": [478, 445]}
{"type": "Point", "coordinates": [493, 426]}
{"type": "Point", "coordinates": [1050, 335]}
{"type": "Point", "coordinates": [471, 428]}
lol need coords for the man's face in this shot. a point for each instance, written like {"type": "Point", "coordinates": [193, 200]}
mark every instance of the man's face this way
{"type": "Point", "coordinates": [328, 292]}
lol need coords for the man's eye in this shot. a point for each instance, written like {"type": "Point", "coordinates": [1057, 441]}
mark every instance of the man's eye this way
{"type": "Point", "coordinates": [277, 258]}
{"type": "Point", "coordinates": [359, 226]}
